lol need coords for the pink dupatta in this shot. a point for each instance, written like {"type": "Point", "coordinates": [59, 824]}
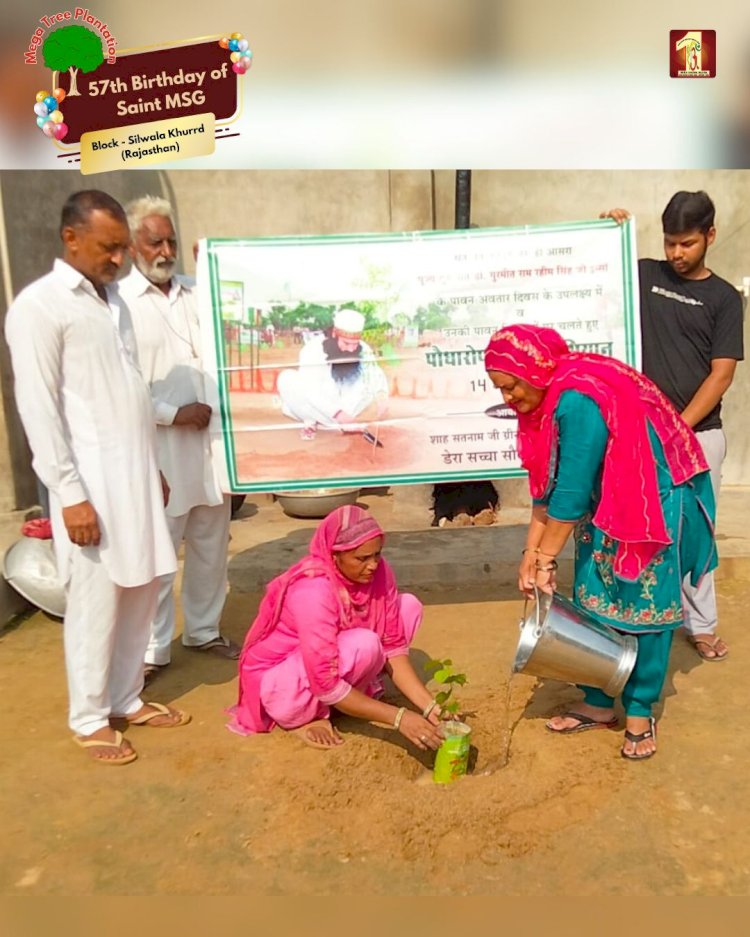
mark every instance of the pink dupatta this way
{"type": "Point", "coordinates": [361, 605]}
{"type": "Point", "coordinates": [629, 509]}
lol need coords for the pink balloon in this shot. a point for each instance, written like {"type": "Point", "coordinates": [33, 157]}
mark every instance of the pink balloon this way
{"type": "Point", "coordinates": [239, 69]}
{"type": "Point", "coordinates": [59, 131]}
{"type": "Point", "coordinates": [49, 128]}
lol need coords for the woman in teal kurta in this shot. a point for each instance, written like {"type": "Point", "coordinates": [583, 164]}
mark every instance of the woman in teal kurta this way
{"type": "Point", "coordinates": [650, 607]}
{"type": "Point", "coordinates": [591, 431]}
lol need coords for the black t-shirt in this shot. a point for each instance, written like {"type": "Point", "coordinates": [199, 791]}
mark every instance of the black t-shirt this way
{"type": "Point", "coordinates": [685, 324]}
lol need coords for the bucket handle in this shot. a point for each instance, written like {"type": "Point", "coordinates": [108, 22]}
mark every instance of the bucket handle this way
{"type": "Point", "coordinates": [538, 629]}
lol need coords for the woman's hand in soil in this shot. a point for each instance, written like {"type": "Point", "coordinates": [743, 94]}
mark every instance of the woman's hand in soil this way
{"type": "Point", "coordinates": [419, 731]}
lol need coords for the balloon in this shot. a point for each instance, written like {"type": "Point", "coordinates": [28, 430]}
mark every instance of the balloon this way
{"type": "Point", "coordinates": [247, 59]}
{"type": "Point", "coordinates": [224, 42]}
{"type": "Point", "coordinates": [238, 68]}
{"type": "Point", "coordinates": [40, 109]}
{"type": "Point", "coordinates": [236, 36]}
{"type": "Point", "coordinates": [59, 95]}
{"type": "Point", "coordinates": [235, 56]}
{"type": "Point", "coordinates": [247, 54]}
{"type": "Point", "coordinates": [243, 44]}
{"type": "Point", "coordinates": [49, 129]}
{"type": "Point", "coordinates": [41, 95]}
{"type": "Point", "coordinates": [234, 45]}
{"type": "Point", "coordinates": [41, 121]}
{"type": "Point", "coordinates": [60, 131]}
{"type": "Point", "coordinates": [56, 117]}
{"type": "Point", "coordinates": [51, 103]}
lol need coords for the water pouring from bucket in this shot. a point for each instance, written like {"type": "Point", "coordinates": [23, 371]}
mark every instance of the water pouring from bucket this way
{"type": "Point", "coordinates": [561, 641]}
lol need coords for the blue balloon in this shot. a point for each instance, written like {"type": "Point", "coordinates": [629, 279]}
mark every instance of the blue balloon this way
{"type": "Point", "coordinates": [234, 45]}
{"type": "Point", "coordinates": [41, 121]}
{"type": "Point", "coordinates": [51, 103]}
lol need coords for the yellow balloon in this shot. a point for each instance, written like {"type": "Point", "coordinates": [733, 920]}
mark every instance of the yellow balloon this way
{"type": "Point", "coordinates": [236, 36]}
{"type": "Point", "coordinates": [41, 95]}
{"type": "Point", "coordinates": [235, 56]}
{"type": "Point", "coordinates": [56, 116]}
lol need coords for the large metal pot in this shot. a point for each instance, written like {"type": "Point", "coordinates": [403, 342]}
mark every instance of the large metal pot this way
{"type": "Point", "coordinates": [563, 642]}
{"type": "Point", "coordinates": [30, 567]}
{"type": "Point", "coordinates": [315, 502]}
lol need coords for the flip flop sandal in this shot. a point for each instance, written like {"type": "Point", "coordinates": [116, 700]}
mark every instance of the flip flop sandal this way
{"type": "Point", "coordinates": [301, 733]}
{"type": "Point", "coordinates": [584, 724]}
{"type": "Point", "coordinates": [159, 709]}
{"type": "Point", "coordinates": [698, 643]}
{"type": "Point", "coordinates": [220, 647]}
{"type": "Point", "coordinates": [124, 759]}
{"type": "Point", "coordinates": [151, 671]}
{"type": "Point", "coordinates": [641, 737]}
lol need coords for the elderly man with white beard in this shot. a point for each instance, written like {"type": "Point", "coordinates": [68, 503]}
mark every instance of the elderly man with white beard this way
{"type": "Point", "coordinates": [163, 308]}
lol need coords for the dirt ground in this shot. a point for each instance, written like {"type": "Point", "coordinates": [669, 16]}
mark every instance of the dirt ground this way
{"type": "Point", "coordinates": [205, 812]}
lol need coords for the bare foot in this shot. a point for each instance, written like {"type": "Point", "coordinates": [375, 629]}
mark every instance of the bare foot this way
{"type": "Point", "coordinates": [640, 737]}
{"type": "Point", "coordinates": [319, 734]}
{"type": "Point", "coordinates": [569, 722]}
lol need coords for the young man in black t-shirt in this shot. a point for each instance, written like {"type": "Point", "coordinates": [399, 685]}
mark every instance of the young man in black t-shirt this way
{"type": "Point", "coordinates": [691, 328]}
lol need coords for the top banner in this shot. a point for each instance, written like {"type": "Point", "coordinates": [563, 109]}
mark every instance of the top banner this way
{"type": "Point", "coordinates": [358, 359]}
{"type": "Point", "coordinates": [403, 85]}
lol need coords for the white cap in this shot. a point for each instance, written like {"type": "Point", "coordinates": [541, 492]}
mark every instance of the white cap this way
{"type": "Point", "coordinates": [349, 322]}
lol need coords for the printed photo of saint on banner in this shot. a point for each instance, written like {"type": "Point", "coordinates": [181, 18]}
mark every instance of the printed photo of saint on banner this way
{"type": "Point", "coordinates": [358, 359]}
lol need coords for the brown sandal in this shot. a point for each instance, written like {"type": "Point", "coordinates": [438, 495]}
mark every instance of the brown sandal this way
{"type": "Point", "coordinates": [715, 645]}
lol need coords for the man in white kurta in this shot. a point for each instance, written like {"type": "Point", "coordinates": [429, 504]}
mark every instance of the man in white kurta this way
{"type": "Point", "coordinates": [87, 416]}
{"type": "Point", "coordinates": [164, 314]}
{"type": "Point", "coordinates": [338, 384]}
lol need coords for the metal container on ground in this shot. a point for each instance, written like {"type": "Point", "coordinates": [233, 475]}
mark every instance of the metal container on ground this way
{"type": "Point", "coordinates": [560, 641]}
{"type": "Point", "coordinates": [315, 502]}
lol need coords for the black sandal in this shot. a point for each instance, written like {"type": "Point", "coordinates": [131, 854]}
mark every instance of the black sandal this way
{"type": "Point", "coordinates": [641, 737]}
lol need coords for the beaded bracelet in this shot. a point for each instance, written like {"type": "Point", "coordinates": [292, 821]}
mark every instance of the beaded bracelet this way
{"type": "Point", "coordinates": [399, 717]}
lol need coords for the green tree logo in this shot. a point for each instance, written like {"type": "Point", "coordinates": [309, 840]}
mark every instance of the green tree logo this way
{"type": "Point", "coordinates": [71, 48]}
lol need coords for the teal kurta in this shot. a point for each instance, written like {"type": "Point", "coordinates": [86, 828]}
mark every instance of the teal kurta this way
{"type": "Point", "coordinates": [652, 602]}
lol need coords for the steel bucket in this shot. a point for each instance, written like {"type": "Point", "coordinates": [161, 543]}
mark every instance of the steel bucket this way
{"type": "Point", "coordinates": [563, 642]}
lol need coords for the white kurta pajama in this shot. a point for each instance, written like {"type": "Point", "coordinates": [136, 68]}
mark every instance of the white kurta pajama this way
{"type": "Point", "coordinates": [311, 395]}
{"type": "Point", "coordinates": [167, 335]}
{"type": "Point", "coordinates": [88, 419]}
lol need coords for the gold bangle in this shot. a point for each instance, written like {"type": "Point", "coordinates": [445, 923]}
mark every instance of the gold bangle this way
{"type": "Point", "coordinates": [428, 708]}
{"type": "Point", "coordinates": [399, 717]}
{"type": "Point", "coordinates": [529, 550]}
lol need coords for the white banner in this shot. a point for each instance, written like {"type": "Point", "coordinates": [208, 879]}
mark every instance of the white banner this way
{"type": "Point", "coordinates": [300, 406]}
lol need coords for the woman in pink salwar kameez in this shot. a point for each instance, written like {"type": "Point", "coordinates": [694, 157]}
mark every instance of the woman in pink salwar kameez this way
{"type": "Point", "coordinates": [325, 632]}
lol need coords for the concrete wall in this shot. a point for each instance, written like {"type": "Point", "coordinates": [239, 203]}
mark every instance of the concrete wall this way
{"type": "Point", "coordinates": [237, 203]}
